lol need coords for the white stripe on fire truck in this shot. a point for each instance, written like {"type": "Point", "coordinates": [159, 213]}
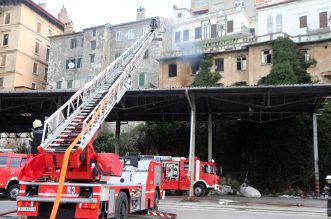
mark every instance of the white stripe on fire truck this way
{"type": "Point", "coordinates": [197, 171]}
{"type": "Point", "coordinates": [53, 195]}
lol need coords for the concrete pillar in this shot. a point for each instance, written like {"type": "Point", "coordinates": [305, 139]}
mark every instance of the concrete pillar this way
{"type": "Point", "coordinates": [316, 168]}
{"type": "Point", "coordinates": [192, 145]}
{"type": "Point", "coordinates": [210, 137]}
{"type": "Point", "coordinates": [117, 135]}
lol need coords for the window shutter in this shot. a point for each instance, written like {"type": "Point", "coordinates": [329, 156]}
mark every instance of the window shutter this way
{"type": "Point", "coordinates": [230, 26]}
{"type": "Point", "coordinates": [67, 63]}
{"type": "Point", "coordinates": [323, 19]}
{"type": "Point", "coordinates": [213, 30]}
{"type": "Point", "coordinates": [79, 60]}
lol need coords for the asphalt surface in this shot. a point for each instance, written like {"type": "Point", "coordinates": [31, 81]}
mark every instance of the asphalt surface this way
{"type": "Point", "coordinates": [230, 207]}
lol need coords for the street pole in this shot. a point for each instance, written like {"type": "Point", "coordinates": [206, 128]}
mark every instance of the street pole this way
{"type": "Point", "coordinates": [316, 168]}
{"type": "Point", "coordinates": [117, 135]}
{"type": "Point", "coordinates": [192, 144]}
{"type": "Point", "coordinates": [210, 137]}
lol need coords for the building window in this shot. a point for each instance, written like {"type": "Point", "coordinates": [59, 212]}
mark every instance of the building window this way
{"type": "Point", "coordinates": [118, 36]}
{"type": "Point", "coordinates": [3, 60]}
{"type": "Point", "coordinates": [69, 83]}
{"type": "Point", "coordinates": [195, 67]}
{"type": "Point", "coordinates": [279, 23]}
{"type": "Point", "coordinates": [198, 33]}
{"type": "Point", "coordinates": [5, 39]}
{"type": "Point", "coordinates": [35, 68]}
{"type": "Point", "coordinates": [36, 48]}
{"type": "Point", "coordinates": [179, 15]}
{"type": "Point", "coordinates": [47, 54]}
{"type": "Point", "coordinates": [186, 35]}
{"type": "Point", "coordinates": [219, 64]}
{"type": "Point", "coordinates": [70, 63]}
{"type": "Point", "coordinates": [73, 43]}
{"type": "Point", "coordinates": [323, 19]}
{"type": "Point", "coordinates": [58, 84]}
{"type": "Point", "coordinates": [270, 24]}
{"type": "Point", "coordinates": [1, 82]}
{"type": "Point", "coordinates": [307, 55]}
{"type": "Point", "coordinates": [82, 42]}
{"type": "Point", "coordinates": [146, 54]}
{"type": "Point", "coordinates": [94, 32]}
{"type": "Point", "coordinates": [92, 56]}
{"type": "Point", "coordinates": [79, 62]}
{"type": "Point", "coordinates": [46, 73]}
{"type": "Point", "coordinates": [131, 34]}
{"type": "Point", "coordinates": [145, 29]}
{"type": "Point", "coordinates": [229, 26]}
{"type": "Point", "coordinates": [117, 54]}
{"type": "Point", "coordinates": [141, 81]}
{"type": "Point", "coordinates": [266, 56]}
{"type": "Point", "coordinates": [38, 27]}
{"type": "Point", "coordinates": [50, 32]}
{"type": "Point", "coordinates": [7, 18]}
{"type": "Point", "coordinates": [241, 63]}
{"type": "Point", "coordinates": [177, 37]}
{"type": "Point", "coordinates": [33, 86]}
{"type": "Point", "coordinates": [93, 44]}
{"type": "Point", "coordinates": [213, 30]}
{"type": "Point", "coordinates": [303, 21]}
{"type": "Point", "coordinates": [239, 4]}
{"type": "Point", "coordinates": [172, 70]}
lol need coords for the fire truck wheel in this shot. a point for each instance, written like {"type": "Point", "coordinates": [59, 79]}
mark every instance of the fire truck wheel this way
{"type": "Point", "coordinates": [121, 206]}
{"type": "Point", "coordinates": [13, 191]}
{"type": "Point", "coordinates": [199, 190]}
{"type": "Point", "coordinates": [156, 200]}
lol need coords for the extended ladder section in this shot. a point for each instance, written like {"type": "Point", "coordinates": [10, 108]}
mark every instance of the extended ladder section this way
{"type": "Point", "coordinates": [78, 120]}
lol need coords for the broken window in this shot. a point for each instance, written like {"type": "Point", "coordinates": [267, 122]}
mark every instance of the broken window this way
{"type": "Point", "coordinates": [303, 21]}
{"type": "Point", "coordinates": [195, 67]}
{"type": "Point", "coordinates": [73, 43]}
{"type": "Point", "coordinates": [58, 84]}
{"type": "Point", "coordinates": [186, 35]}
{"type": "Point", "coordinates": [229, 26]}
{"type": "Point", "coordinates": [266, 56]}
{"type": "Point", "coordinates": [5, 38]}
{"type": "Point", "coordinates": [241, 63]}
{"type": "Point", "coordinates": [93, 44]}
{"type": "Point", "coordinates": [7, 18]}
{"type": "Point", "coordinates": [306, 53]}
{"type": "Point", "coordinates": [36, 48]}
{"type": "Point", "coordinates": [35, 68]}
{"type": "Point", "coordinates": [177, 37]}
{"type": "Point", "coordinates": [198, 33]}
{"type": "Point", "coordinates": [141, 81]}
{"type": "Point", "coordinates": [172, 70]}
{"type": "Point", "coordinates": [219, 64]}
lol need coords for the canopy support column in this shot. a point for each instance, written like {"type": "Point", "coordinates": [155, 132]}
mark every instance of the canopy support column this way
{"type": "Point", "coordinates": [210, 137]}
{"type": "Point", "coordinates": [316, 168]}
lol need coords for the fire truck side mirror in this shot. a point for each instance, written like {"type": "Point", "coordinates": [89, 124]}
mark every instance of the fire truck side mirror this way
{"type": "Point", "coordinates": [220, 171]}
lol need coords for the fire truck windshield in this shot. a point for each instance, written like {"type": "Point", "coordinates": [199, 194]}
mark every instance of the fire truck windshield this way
{"type": "Point", "coordinates": [208, 169]}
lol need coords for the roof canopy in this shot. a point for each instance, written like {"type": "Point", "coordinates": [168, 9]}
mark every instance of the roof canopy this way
{"type": "Point", "coordinates": [258, 104]}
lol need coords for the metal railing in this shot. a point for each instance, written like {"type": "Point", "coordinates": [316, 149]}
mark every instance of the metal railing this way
{"type": "Point", "coordinates": [59, 120]}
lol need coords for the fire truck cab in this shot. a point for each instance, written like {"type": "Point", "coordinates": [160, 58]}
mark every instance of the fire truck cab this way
{"type": "Point", "coordinates": [176, 175]}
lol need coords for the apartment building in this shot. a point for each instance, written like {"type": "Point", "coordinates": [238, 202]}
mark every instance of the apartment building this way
{"type": "Point", "coordinates": [25, 28]}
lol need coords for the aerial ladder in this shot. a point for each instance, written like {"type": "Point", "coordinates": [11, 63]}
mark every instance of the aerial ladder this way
{"type": "Point", "coordinates": [66, 147]}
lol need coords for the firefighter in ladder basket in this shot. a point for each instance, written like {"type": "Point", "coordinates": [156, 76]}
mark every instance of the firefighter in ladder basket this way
{"type": "Point", "coordinates": [35, 136]}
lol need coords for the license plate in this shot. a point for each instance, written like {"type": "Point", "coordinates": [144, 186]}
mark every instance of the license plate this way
{"type": "Point", "coordinates": [26, 209]}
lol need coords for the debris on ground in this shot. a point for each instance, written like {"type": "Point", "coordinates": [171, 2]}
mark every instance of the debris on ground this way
{"type": "Point", "coordinates": [226, 202]}
{"type": "Point", "coordinates": [249, 191]}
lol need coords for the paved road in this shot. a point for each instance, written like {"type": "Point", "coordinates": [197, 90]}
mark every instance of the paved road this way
{"type": "Point", "coordinates": [210, 208]}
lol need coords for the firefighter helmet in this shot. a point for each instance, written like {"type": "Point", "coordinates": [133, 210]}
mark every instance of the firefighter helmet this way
{"type": "Point", "coordinates": [37, 123]}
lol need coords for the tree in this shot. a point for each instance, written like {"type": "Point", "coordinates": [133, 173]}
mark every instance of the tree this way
{"type": "Point", "coordinates": [205, 78]}
{"type": "Point", "coordinates": [288, 65]}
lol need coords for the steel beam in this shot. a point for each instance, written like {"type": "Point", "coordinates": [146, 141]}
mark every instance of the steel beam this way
{"type": "Point", "coordinates": [316, 168]}
{"type": "Point", "coordinates": [210, 137]}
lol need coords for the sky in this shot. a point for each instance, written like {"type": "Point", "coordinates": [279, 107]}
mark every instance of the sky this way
{"type": "Point", "coordinates": [88, 13]}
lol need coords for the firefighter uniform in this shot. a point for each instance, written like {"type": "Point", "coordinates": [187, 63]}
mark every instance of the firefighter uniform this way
{"type": "Point", "coordinates": [327, 190]}
{"type": "Point", "coordinates": [35, 136]}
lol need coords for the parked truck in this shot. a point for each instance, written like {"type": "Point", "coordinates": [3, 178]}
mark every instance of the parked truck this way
{"type": "Point", "coordinates": [67, 179]}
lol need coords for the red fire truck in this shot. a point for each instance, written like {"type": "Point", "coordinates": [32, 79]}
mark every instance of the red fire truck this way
{"type": "Point", "coordinates": [176, 175]}
{"type": "Point", "coordinates": [67, 179]}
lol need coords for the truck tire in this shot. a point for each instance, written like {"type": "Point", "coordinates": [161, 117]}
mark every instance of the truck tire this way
{"type": "Point", "coordinates": [199, 190]}
{"type": "Point", "coordinates": [122, 206]}
{"type": "Point", "coordinates": [12, 192]}
{"type": "Point", "coordinates": [156, 200]}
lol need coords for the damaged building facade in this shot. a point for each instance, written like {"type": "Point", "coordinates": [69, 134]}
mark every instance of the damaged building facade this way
{"type": "Point", "coordinates": [77, 57]}
{"type": "Point", "coordinates": [241, 45]}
